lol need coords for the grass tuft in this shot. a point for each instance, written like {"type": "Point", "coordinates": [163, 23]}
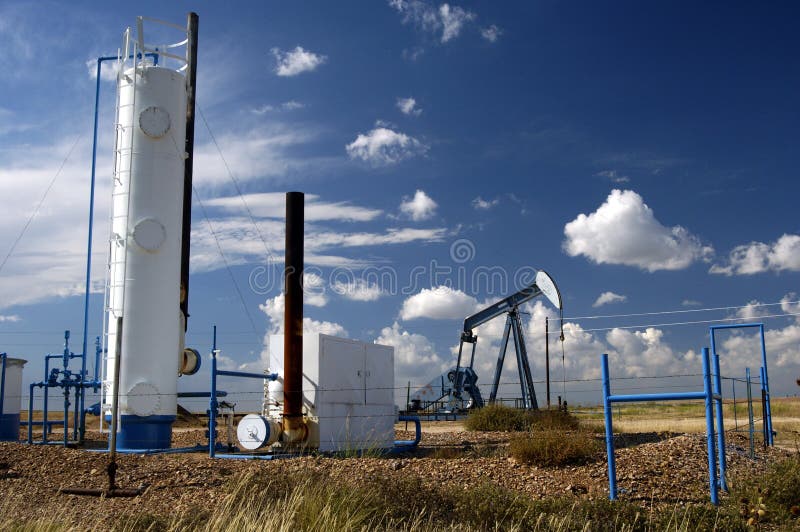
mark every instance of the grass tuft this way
{"type": "Point", "coordinates": [553, 448]}
{"type": "Point", "coordinates": [498, 417]}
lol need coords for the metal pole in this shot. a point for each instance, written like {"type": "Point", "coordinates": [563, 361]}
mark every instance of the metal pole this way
{"type": "Point", "coordinates": [112, 464]}
{"type": "Point", "coordinates": [765, 384]}
{"type": "Point", "coordinates": [547, 357]}
{"type": "Point", "coordinates": [293, 425]}
{"type": "Point", "coordinates": [186, 227]}
{"type": "Point", "coordinates": [3, 356]}
{"type": "Point", "coordinates": [709, 402]}
{"type": "Point", "coordinates": [30, 415]}
{"type": "Point", "coordinates": [764, 424]}
{"type": "Point", "coordinates": [213, 405]}
{"type": "Point", "coordinates": [733, 393]}
{"type": "Point", "coordinates": [750, 421]}
{"type": "Point", "coordinates": [612, 466]}
{"type": "Point", "coordinates": [720, 426]}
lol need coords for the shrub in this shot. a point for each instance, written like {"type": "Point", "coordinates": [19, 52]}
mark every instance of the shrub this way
{"type": "Point", "coordinates": [497, 417]}
{"type": "Point", "coordinates": [554, 448]}
{"type": "Point", "coordinates": [553, 420]}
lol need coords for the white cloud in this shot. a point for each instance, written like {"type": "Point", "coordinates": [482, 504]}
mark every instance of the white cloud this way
{"type": "Point", "coordinates": [408, 106]}
{"type": "Point", "coordinates": [266, 152]}
{"type": "Point", "coordinates": [609, 297]}
{"type": "Point", "coordinates": [314, 290]}
{"type": "Point", "coordinates": [358, 290]}
{"type": "Point", "coordinates": [108, 70]}
{"type": "Point", "coordinates": [480, 204]}
{"type": "Point", "coordinates": [450, 20]}
{"type": "Point", "coordinates": [10, 318]}
{"type": "Point", "coordinates": [439, 303]}
{"type": "Point", "coordinates": [491, 33]}
{"type": "Point", "coordinates": [691, 303]}
{"type": "Point", "coordinates": [758, 257]}
{"type": "Point", "coordinates": [752, 310]}
{"type": "Point", "coordinates": [383, 146]}
{"type": "Point", "coordinates": [297, 61]}
{"type": "Point", "coordinates": [613, 176]}
{"type": "Point", "coordinates": [414, 355]}
{"type": "Point", "coordinates": [453, 20]}
{"type": "Point", "coordinates": [274, 308]}
{"type": "Point", "coordinates": [624, 230]}
{"type": "Point", "coordinates": [291, 105]}
{"type": "Point", "coordinates": [420, 207]}
{"type": "Point", "coordinates": [273, 205]}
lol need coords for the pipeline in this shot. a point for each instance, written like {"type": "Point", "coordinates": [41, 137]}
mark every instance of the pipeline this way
{"type": "Point", "coordinates": [294, 428]}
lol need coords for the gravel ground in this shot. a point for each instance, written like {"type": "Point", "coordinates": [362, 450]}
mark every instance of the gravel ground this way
{"type": "Point", "coordinates": [655, 469]}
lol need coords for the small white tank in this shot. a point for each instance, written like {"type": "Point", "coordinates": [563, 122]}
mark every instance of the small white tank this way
{"type": "Point", "coordinates": [12, 398]}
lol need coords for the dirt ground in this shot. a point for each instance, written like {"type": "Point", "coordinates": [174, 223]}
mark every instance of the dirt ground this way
{"type": "Point", "coordinates": [652, 468]}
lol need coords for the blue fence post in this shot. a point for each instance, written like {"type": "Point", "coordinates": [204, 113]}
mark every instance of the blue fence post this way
{"type": "Point", "coordinates": [720, 426]}
{"type": "Point", "coordinates": [712, 459]}
{"type": "Point", "coordinates": [765, 384]}
{"type": "Point", "coordinates": [212, 407]}
{"type": "Point", "coordinates": [612, 466]}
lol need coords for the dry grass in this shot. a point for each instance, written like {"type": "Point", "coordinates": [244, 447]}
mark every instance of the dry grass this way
{"type": "Point", "coordinates": [554, 448]}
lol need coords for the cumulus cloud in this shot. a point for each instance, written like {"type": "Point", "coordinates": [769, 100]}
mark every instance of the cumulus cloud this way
{"type": "Point", "coordinates": [491, 33]}
{"type": "Point", "coordinates": [274, 308]}
{"type": "Point", "coordinates": [758, 257]}
{"type": "Point", "coordinates": [480, 204]}
{"type": "Point", "coordinates": [273, 205]}
{"type": "Point", "coordinates": [609, 297]}
{"type": "Point", "coordinates": [297, 61]}
{"type": "Point", "coordinates": [447, 19]}
{"type": "Point", "coordinates": [383, 146]}
{"type": "Point", "coordinates": [358, 290]}
{"type": "Point", "coordinates": [414, 355]}
{"type": "Point", "coordinates": [408, 106]}
{"type": "Point", "coordinates": [420, 207]}
{"type": "Point", "coordinates": [624, 230]}
{"type": "Point", "coordinates": [439, 303]}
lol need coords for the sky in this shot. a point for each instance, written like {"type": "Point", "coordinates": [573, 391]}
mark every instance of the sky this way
{"type": "Point", "coordinates": [643, 154]}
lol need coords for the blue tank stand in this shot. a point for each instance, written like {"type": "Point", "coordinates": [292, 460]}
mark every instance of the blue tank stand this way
{"type": "Point", "coordinates": [707, 394]}
{"type": "Point", "coordinates": [144, 432]}
{"type": "Point", "coordinates": [9, 427]}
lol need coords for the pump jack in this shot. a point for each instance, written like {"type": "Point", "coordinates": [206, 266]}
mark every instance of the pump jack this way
{"type": "Point", "coordinates": [460, 384]}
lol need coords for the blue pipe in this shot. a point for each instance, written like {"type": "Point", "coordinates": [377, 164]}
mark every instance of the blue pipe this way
{"type": "Point", "coordinates": [720, 426]}
{"type": "Point", "coordinates": [765, 385]}
{"type": "Point", "coordinates": [265, 376]}
{"type": "Point", "coordinates": [612, 465]}
{"type": "Point", "coordinates": [405, 444]}
{"type": "Point", "coordinates": [680, 396]}
{"type": "Point", "coordinates": [212, 406]}
{"type": "Point", "coordinates": [712, 458]}
{"type": "Point", "coordinates": [30, 414]}
{"type": "Point", "coordinates": [3, 356]}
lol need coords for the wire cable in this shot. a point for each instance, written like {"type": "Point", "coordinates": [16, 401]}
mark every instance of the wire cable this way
{"type": "Point", "coordinates": [657, 313]}
{"type": "Point", "coordinates": [39, 205]}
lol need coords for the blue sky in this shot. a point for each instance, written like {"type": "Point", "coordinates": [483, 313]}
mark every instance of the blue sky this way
{"type": "Point", "coordinates": [643, 154]}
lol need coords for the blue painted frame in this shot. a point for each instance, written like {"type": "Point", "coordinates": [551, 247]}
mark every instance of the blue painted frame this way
{"type": "Point", "coordinates": [707, 394]}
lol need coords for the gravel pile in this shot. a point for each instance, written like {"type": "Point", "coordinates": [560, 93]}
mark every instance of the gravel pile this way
{"type": "Point", "coordinates": [654, 469]}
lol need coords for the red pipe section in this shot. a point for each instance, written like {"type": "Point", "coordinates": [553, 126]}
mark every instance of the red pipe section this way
{"type": "Point", "coordinates": [294, 429]}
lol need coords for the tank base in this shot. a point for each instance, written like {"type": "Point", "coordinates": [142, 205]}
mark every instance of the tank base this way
{"type": "Point", "coordinates": [144, 432]}
{"type": "Point", "coordinates": [9, 427]}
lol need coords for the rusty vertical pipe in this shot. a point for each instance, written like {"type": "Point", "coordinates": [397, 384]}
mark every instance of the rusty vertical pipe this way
{"type": "Point", "coordinates": [192, 24]}
{"type": "Point", "coordinates": [293, 427]}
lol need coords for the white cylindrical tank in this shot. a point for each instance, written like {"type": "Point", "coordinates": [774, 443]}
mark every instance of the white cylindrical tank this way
{"type": "Point", "coordinates": [144, 277]}
{"type": "Point", "coordinates": [257, 432]}
{"type": "Point", "coordinates": [12, 398]}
